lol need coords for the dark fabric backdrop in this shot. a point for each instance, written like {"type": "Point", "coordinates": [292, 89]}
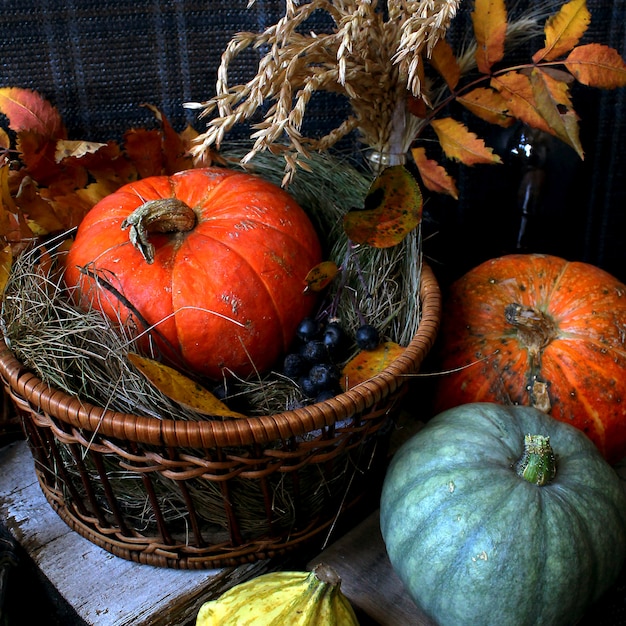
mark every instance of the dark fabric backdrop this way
{"type": "Point", "coordinates": [98, 61]}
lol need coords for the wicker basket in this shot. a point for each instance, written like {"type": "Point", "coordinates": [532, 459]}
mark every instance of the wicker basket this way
{"type": "Point", "coordinates": [210, 494]}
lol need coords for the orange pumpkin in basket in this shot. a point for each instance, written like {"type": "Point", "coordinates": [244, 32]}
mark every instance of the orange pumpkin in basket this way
{"type": "Point", "coordinates": [538, 330]}
{"type": "Point", "coordinates": [209, 262]}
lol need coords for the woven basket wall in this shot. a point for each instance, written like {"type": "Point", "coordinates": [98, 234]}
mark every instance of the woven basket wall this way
{"type": "Point", "coordinates": [209, 494]}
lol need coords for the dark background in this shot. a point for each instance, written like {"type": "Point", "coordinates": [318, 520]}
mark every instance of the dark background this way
{"type": "Point", "coordinates": [98, 61]}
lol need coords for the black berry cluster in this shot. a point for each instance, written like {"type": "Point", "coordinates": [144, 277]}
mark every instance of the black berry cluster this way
{"type": "Point", "coordinates": [313, 361]}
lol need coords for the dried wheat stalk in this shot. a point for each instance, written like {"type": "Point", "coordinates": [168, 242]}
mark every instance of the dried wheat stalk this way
{"type": "Point", "coordinates": [373, 57]}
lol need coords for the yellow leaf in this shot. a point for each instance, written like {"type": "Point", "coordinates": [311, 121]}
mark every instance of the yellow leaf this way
{"type": "Point", "coordinates": [444, 61]}
{"type": "Point", "coordinates": [66, 148]}
{"type": "Point", "coordinates": [597, 65]}
{"type": "Point", "coordinates": [487, 104]}
{"type": "Point", "coordinates": [554, 105]}
{"type": "Point", "coordinates": [490, 22]}
{"type": "Point", "coordinates": [433, 175]}
{"type": "Point", "coordinates": [393, 208]}
{"type": "Point", "coordinates": [369, 363]}
{"type": "Point", "coordinates": [517, 90]}
{"type": "Point", "coordinates": [5, 141]}
{"type": "Point", "coordinates": [320, 276]}
{"type": "Point", "coordinates": [564, 30]}
{"type": "Point", "coordinates": [179, 388]}
{"type": "Point", "coordinates": [459, 143]}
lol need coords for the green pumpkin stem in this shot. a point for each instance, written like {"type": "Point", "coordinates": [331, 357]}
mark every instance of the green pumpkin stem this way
{"type": "Point", "coordinates": [537, 464]}
{"type": "Point", "coordinates": [165, 215]}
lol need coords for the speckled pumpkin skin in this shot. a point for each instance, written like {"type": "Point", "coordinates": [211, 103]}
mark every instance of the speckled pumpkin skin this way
{"type": "Point", "coordinates": [577, 375]}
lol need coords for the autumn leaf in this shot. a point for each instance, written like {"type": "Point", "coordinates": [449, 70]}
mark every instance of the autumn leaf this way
{"type": "Point", "coordinates": [6, 261]}
{"type": "Point", "coordinates": [444, 62]}
{"type": "Point", "coordinates": [144, 150]}
{"type": "Point", "coordinates": [488, 105]}
{"type": "Point", "coordinates": [26, 110]}
{"type": "Point", "coordinates": [66, 148]}
{"type": "Point", "coordinates": [321, 276]}
{"type": "Point", "coordinates": [5, 140]}
{"type": "Point", "coordinates": [597, 65]}
{"type": "Point", "coordinates": [180, 388]}
{"type": "Point", "coordinates": [490, 22]}
{"type": "Point", "coordinates": [368, 363]}
{"type": "Point", "coordinates": [460, 144]}
{"type": "Point", "coordinates": [564, 30]}
{"type": "Point", "coordinates": [517, 90]}
{"type": "Point", "coordinates": [393, 208]}
{"type": "Point", "coordinates": [554, 105]}
{"type": "Point", "coordinates": [433, 175]}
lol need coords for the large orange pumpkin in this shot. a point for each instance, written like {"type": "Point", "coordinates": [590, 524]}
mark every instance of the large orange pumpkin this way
{"type": "Point", "coordinates": [538, 330]}
{"type": "Point", "coordinates": [216, 273]}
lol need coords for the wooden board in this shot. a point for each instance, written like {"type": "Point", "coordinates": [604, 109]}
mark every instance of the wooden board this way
{"type": "Point", "coordinates": [103, 589]}
{"type": "Point", "coordinates": [368, 579]}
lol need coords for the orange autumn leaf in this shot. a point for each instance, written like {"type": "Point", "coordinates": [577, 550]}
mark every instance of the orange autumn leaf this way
{"type": "Point", "coordinates": [433, 175]}
{"type": "Point", "coordinates": [460, 144]}
{"type": "Point", "coordinates": [369, 363]}
{"type": "Point", "coordinates": [5, 141]}
{"type": "Point", "coordinates": [517, 90]}
{"type": "Point", "coordinates": [174, 147]}
{"type": "Point", "coordinates": [26, 110]}
{"type": "Point", "coordinates": [554, 105]}
{"type": "Point", "coordinates": [488, 105]}
{"type": "Point", "coordinates": [564, 30]}
{"type": "Point", "coordinates": [180, 388]}
{"type": "Point", "coordinates": [393, 208]}
{"type": "Point", "coordinates": [597, 65]}
{"type": "Point", "coordinates": [445, 63]}
{"type": "Point", "coordinates": [490, 22]}
{"type": "Point", "coordinates": [6, 262]}
{"type": "Point", "coordinates": [321, 276]}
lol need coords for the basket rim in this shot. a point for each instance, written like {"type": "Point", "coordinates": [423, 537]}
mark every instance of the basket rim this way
{"type": "Point", "coordinates": [241, 431]}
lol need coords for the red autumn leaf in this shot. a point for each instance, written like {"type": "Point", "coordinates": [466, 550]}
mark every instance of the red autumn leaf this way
{"type": "Point", "coordinates": [37, 152]}
{"type": "Point", "coordinates": [554, 105]}
{"type": "Point", "coordinates": [180, 388]}
{"type": "Point", "coordinates": [369, 363]}
{"type": "Point", "coordinates": [145, 151]}
{"type": "Point", "coordinates": [460, 144]}
{"type": "Point", "coordinates": [444, 61]}
{"type": "Point", "coordinates": [517, 90]}
{"type": "Point", "coordinates": [487, 104]}
{"type": "Point", "coordinates": [321, 276]}
{"type": "Point", "coordinates": [26, 110]}
{"type": "Point", "coordinates": [597, 65]}
{"type": "Point", "coordinates": [393, 208]}
{"type": "Point", "coordinates": [417, 106]}
{"type": "Point", "coordinates": [564, 30]}
{"type": "Point", "coordinates": [490, 22]}
{"type": "Point", "coordinates": [433, 175]}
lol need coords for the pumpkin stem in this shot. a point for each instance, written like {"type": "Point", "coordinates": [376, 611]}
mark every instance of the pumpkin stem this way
{"type": "Point", "coordinates": [537, 464]}
{"type": "Point", "coordinates": [165, 215]}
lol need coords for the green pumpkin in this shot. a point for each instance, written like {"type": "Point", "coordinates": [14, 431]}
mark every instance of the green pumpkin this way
{"type": "Point", "coordinates": [487, 525]}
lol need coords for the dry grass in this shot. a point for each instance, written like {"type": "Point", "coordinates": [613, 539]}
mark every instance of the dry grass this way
{"type": "Point", "coordinates": [372, 57]}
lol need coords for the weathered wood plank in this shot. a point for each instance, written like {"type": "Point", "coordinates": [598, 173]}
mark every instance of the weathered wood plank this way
{"type": "Point", "coordinates": [103, 589]}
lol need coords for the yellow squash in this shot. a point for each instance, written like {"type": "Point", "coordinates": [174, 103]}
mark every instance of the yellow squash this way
{"type": "Point", "coordinates": [280, 598]}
